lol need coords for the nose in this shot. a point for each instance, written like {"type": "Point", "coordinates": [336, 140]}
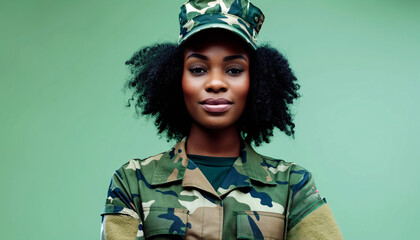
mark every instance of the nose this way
{"type": "Point", "coordinates": [216, 82]}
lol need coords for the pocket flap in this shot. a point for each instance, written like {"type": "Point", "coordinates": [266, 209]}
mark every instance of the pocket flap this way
{"type": "Point", "coordinates": [259, 225]}
{"type": "Point", "coordinates": [164, 221]}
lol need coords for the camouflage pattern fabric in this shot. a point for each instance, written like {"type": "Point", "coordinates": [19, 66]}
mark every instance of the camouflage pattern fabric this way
{"type": "Point", "coordinates": [239, 16]}
{"type": "Point", "coordinates": [261, 197]}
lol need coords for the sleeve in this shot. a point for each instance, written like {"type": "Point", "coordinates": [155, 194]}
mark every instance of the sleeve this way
{"type": "Point", "coordinates": [309, 216]}
{"type": "Point", "coordinates": [120, 219]}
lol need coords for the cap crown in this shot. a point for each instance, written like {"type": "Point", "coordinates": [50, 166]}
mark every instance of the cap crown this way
{"type": "Point", "coordinates": [239, 16]}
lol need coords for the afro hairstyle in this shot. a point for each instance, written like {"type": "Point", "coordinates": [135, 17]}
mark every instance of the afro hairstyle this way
{"type": "Point", "coordinates": [155, 83]}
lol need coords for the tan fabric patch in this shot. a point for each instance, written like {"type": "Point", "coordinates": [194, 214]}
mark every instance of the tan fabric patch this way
{"type": "Point", "coordinates": [119, 227]}
{"type": "Point", "coordinates": [320, 224]}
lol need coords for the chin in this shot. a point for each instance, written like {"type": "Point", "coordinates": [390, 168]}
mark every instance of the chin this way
{"type": "Point", "coordinates": [217, 127]}
{"type": "Point", "coordinates": [217, 124]}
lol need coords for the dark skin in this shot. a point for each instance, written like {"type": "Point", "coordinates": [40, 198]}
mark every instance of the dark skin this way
{"type": "Point", "coordinates": [215, 85]}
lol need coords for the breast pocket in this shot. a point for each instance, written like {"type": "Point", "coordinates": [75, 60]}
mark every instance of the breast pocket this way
{"type": "Point", "coordinates": [259, 225]}
{"type": "Point", "coordinates": [165, 223]}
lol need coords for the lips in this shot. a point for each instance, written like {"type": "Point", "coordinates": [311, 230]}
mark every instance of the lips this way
{"type": "Point", "coordinates": [216, 105]}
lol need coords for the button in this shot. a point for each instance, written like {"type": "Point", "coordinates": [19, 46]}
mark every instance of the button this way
{"type": "Point", "coordinates": [256, 19]}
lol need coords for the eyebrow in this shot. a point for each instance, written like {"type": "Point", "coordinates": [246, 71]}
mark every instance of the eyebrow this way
{"type": "Point", "coordinates": [229, 58]}
{"type": "Point", "coordinates": [225, 59]}
{"type": "Point", "coordinates": [196, 55]}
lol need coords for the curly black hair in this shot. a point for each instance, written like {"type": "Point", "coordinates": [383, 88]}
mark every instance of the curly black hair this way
{"type": "Point", "coordinates": [156, 73]}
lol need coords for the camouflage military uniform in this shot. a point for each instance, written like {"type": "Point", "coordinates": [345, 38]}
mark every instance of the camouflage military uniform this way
{"type": "Point", "coordinates": [169, 197]}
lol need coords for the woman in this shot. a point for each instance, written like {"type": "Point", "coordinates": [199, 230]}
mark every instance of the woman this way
{"type": "Point", "coordinates": [216, 92]}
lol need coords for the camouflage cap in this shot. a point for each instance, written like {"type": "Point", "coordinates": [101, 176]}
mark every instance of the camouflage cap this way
{"type": "Point", "coordinates": [238, 16]}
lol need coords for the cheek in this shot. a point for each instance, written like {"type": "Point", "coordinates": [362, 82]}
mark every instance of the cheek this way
{"type": "Point", "coordinates": [188, 90]}
{"type": "Point", "coordinates": [243, 90]}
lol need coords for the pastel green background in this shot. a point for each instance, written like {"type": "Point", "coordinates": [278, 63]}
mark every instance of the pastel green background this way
{"type": "Point", "coordinates": [64, 128]}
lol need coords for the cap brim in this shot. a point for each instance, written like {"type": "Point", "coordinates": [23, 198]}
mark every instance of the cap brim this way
{"type": "Point", "coordinates": [219, 26]}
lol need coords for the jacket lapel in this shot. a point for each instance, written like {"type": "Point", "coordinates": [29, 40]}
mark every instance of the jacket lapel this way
{"type": "Point", "coordinates": [174, 166]}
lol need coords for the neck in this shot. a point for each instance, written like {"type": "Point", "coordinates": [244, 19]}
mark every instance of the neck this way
{"type": "Point", "coordinates": [217, 143]}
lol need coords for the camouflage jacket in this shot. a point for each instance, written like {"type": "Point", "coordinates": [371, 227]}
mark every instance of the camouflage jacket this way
{"type": "Point", "coordinates": [170, 198]}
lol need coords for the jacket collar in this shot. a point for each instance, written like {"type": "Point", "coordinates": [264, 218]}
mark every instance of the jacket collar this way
{"type": "Point", "coordinates": [174, 166]}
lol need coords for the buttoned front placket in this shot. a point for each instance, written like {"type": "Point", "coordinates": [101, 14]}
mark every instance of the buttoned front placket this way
{"type": "Point", "coordinates": [204, 205]}
{"type": "Point", "coordinates": [206, 215]}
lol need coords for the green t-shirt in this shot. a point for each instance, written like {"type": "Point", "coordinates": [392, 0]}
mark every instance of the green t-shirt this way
{"type": "Point", "coordinates": [214, 168]}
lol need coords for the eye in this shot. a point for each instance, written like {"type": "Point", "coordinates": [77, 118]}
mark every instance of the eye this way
{"type": "Point", "coordinates": [197, 70]}
{"type": "Point", "coordinates": [234, 71]}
